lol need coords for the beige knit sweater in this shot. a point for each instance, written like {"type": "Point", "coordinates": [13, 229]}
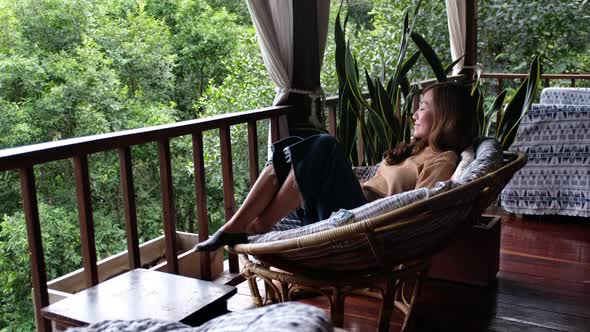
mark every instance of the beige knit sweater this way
{"type": "Point", "coordinates": [424, 169]}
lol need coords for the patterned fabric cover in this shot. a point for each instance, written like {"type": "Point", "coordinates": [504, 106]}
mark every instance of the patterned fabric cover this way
{"type": "Point", "coordinates": [289, 229]}
{"type": "Point", "coordinates": [289, 316]}
{"type": "Point", "coordinates": [565, 96]}
{"type": "Point", "coordinates": [488, 158]}
{"type": "Point", "coordinates": [556, 179]}
{"type": "Point", "coordinates": [467, 157]}
{"type": "Point", "coordinates": [347, 255]}
{"type": "Point", "coordinates": [363, 173]}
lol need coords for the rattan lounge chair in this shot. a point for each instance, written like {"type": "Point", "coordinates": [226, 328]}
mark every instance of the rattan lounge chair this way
{"type": "Point", "coordinates": [387, 255]}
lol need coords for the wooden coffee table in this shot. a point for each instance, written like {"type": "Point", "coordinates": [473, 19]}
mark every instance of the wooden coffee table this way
{"type": "Point", "coordinates": [141, 294]}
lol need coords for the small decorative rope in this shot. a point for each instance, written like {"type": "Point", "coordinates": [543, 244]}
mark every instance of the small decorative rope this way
{"type": "Point", "coordinates": [314, 95]}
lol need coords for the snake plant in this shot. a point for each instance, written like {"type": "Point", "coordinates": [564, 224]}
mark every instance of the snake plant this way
{"type": "Point", "coordinates": [382, 116]}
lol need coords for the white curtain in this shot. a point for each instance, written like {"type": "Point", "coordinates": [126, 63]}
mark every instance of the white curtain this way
{"type": "Point", "coordinates": [456, 16]}
{"type": "Point", "coordinates": [273, 21]}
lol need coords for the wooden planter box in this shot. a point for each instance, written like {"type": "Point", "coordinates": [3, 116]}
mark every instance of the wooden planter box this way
{"type": "Point", "coordinates": [473, 257]}
{"type": "Point", "coordinates": [152, 251]}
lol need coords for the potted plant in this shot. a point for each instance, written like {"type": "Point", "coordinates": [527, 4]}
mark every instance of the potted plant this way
{"type": "Point", "coordinates": [388, 103]}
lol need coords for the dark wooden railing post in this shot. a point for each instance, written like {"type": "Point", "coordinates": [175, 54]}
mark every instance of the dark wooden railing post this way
{"type": "Point", "coordinates": [498, 114]}
{"type": "Point", "coordinates": [228, 185]}
{"type": "Point", "coordinates": [573, 84]}
{"type": "Point", "coordinates": [201, 196]}
{"type": "Point", "coordinates": [274, 129]}
{"type": "Point", "coordinates": [168, 208]}
{"type": "Point", "coordinates": [360, 144]}
{"type": "Point", "coordinates": [87, 240]}
{"type": "Point", "coordinates": [253, 151]}
{"type": "Point", "coordinates": [126, 174]}
{"type": "Point", "coordinates": [39, 275]}
{"type": "Point", "coordinates": [332, 119]}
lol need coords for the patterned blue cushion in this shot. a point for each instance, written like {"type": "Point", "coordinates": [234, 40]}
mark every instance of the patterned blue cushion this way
{"type": "Point", "coordinates": [289, 316]}
{"type": "Point", "coordinates": [488, 158]}
{"type": "Point", "coordinates": [364, 173]}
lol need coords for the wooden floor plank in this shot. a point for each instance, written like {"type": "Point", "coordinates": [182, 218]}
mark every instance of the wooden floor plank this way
{"type": "Point", "coordinates": [548, 285]}
{"type": "Point", "coordinates": [507, 325]}
{"type": "Point", "coordinates": [542, 318]}
{"type": "Point", "coordinates": [513, 292]}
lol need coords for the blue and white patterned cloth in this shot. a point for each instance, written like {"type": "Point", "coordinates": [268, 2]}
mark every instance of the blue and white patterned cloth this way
{"type": "Point", "coordinates": [556, 179]}
{"type": "Point", "coordinates": [280, 317]}
{"type": "Point", "coordinates": [565, 96]}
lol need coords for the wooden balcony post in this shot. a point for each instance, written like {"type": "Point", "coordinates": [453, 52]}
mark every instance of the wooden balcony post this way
{"type": "Point", "coordinates": [274, 129]}
{"type": "Point", "coordinates": [201, 196]}
{"type": "Point", "coordinates": [471, 36]}
{"type": "Point", "coordinates": [306, 65]}
{"type": "Point", "coordinates": [332, 120]}
{"type": "Point", "coordinates": [39, 275]}
{"type": "Point", "coordinates": [498, 114]}
{"type": "Point", "coordinates": [126, 174]}
{"type": "Point", "coordinates": [229, 200]}
{"type": "Point", "coordinates": [168, 208]}
{"type": "Point", "coordinates": [253, 152]}
{"type": "Point", "coordinates": [87, 240]}
{"type": "Point", "coordinates": [360, 143]}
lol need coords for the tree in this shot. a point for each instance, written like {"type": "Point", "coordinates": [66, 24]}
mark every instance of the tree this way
{"type": "Point", "coordinates": [53, 25]}
{"type": "Point", "coordinates": [206, 38]}
{"type": "Point", "coordinates": [553, 28]}
{"type": "Point", "coordinates": [141, 51]}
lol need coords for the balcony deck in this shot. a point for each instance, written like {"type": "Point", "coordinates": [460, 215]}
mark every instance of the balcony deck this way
{"type": "Point", "coordinates": [543, 285]}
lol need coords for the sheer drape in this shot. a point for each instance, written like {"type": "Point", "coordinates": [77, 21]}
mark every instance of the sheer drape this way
{"type": "Point", "coordinates": [273, 21]}
{"type": "Point", "coordinates": [456, 11]}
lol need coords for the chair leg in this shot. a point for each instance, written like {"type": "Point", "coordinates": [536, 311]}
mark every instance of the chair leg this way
{"type": "Point", "coordinates": [256, 298]}
{"type": "Point", "coordinates": [416, 291]}
{"type": "Point", "coordinates": [285, 291]}
{"type": "Point", "coordinates": [337, 308]}
{"type": "Point", "coordinates": [387, 305]}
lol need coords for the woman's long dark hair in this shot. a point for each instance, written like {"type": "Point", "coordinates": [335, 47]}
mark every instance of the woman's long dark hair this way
{"type": "Point", "coordinates": [454, 125]}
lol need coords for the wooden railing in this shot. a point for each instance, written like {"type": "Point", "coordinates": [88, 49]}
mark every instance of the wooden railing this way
{"type": "Point", "coordinates": [25, 158]}
{"type": "Point", "coordinates": [500, 78]}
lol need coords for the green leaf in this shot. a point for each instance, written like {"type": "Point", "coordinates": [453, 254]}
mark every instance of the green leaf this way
{"type": "Point", "coordinates": [519, 104]}
{"type": "Point", "coordinates": [495, 108]}
{"type": "Point", "coordinates": [385, 108]}
{"type": "Point", "coordinates": [408, 64]}
{"type": "Point", "coordinates": [452, 64]}
{"type": "Point", "coordinates": [431, 57]}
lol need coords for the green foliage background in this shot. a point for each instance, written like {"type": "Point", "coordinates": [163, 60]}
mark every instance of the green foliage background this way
{"type": "Point", "coordinates": [79, 67]}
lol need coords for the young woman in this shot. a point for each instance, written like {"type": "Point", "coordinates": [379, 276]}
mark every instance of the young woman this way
{"type": "Point", "coordinates": [314, 174]}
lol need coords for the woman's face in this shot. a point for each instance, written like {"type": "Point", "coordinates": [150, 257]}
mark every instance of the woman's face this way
{"type": "Point", "coordinates": [424, 116]}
